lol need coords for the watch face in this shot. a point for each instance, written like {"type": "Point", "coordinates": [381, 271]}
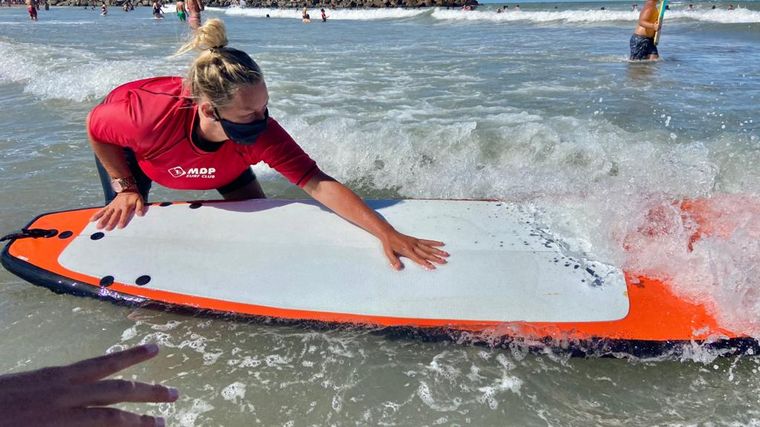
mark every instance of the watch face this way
{"type": "Point", "coordinates": [116, 185]}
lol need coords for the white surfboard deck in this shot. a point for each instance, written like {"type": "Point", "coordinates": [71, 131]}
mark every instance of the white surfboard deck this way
{"type": "Point", "coordinates": [297, 255]}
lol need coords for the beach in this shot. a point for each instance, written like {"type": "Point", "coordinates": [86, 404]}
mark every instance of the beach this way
{"type": "Point", "coordinates": [539, 107]}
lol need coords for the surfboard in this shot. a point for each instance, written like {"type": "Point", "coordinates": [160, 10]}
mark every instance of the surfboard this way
{"type": "Point", "coordinates": [660, 14]}
{"type": "Point", "coordinates": [294, 259]}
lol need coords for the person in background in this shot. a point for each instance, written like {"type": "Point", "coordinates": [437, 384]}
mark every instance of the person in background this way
{"type": "Point", "coordinates": [157, 12]}
{"type": "Point", "coordinates": [79, 395]}
{"type": "Point", "coordinates": [103, 9]}
{"type": "Point", "coordinates": [642, 40]}
{"type": "Point", "coordinates": [180, 7]}
{"type": "Point", "coordinates": [305, 16]}
{"type": "Point", "coordinates": [324, 15]}
{"type": "Point", "coordinates": [32, 9]}
{"type": "Point", "coordinates": [194, 8]}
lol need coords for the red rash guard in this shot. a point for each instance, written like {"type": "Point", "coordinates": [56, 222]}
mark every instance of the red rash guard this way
{"type": "Point", "coordinates": [155, 118]}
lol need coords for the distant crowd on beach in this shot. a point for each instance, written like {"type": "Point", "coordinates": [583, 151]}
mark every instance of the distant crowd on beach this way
{"type": "Point", "coordinates": [128, 5]}
{"type": "Point", "coordinates": [186, 10]}
{"type": "Point", "coordinates": [190, 10]}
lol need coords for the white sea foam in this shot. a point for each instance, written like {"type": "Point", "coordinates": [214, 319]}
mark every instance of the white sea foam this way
{"type": "Point", "coordinates": [723, 16]}
{"type": "Point", "coordinates": [591, 181]}
{"type": "Point", "coordinates": [737, 16]}
{"type": "Point", "coordinates": [334, 14]}
{"type": "Point", "coordinates": [234, 392]}
{"type": "Point", "coordinates": [74, 74]}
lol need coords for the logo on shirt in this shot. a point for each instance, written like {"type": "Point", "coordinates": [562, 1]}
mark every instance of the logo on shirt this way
{"type": "Point", "coordinates": [178, 172]}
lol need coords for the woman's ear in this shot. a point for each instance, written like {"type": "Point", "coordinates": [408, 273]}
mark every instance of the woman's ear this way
{"type": "Point", "coordinates": [207, 110]}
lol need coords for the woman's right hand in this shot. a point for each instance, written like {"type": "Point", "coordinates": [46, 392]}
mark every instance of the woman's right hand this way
{"type": "Point", "coordinates": [120, 211]}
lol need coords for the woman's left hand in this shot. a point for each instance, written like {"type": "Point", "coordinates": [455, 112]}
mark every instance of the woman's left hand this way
{"type": "Point", "coordinates": [423, 252]}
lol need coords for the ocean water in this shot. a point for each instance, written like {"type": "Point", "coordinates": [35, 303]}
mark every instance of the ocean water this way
{"type": "Point", "coordinates": [538, 107]}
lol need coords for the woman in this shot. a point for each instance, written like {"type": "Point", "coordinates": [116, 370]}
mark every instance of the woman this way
{"type": "Point", "coordinates": [205, 133]}
{"type": "Point", "coordinates": [180, 7]}
{"type": "Point", "coordinates": [194, 8]}
{"type": "Point", "coordinates": [157, 12]}
{"type": "Point", "coordinates": [32, 9]}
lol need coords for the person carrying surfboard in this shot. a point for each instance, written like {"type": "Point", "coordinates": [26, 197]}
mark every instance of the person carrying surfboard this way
{"type": "Point", "coordinates": [204, 132]}
{"type": "Point", "coordinates": [642, 41]}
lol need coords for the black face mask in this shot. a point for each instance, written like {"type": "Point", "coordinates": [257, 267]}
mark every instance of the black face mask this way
{"type": "Point", "coordinates": [243, 133]}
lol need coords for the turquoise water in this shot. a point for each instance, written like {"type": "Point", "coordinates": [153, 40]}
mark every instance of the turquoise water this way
{"type": "Point", "coordinates": [539, 107]}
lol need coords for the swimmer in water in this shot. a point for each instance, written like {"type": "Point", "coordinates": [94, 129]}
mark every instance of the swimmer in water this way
{"type": "Point", "coordinates": [181, 14]}
{"type": "Point", "coordinates": [157, 12]}
{"type": "Point", "coordinates": [324, 15]}
{"type": "Point", "coordinates": [103, 9]}
{"type": "Point", "coordinates": [31, 9]}
{"type": "Point", "coordinates": [194, 8]}
{"type": "Point", "coordinates": [642, 40]}
{"type": "Point", "coordinates": [305, 16]}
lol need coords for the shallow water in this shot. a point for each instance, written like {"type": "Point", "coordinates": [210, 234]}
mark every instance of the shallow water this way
{"type": "Point", "coordinates": [539, 107]}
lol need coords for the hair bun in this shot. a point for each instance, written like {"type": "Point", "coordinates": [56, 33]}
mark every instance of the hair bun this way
{"type": "Point", "coordinates": [212, 36]}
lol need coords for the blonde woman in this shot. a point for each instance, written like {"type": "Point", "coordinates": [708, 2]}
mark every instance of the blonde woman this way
{"type": "Point", "coordinates": [305, 16]}
{"type": "Point", "coordinates": [215, 121]}
{"type": "Point", "coordinates": [180, 9]}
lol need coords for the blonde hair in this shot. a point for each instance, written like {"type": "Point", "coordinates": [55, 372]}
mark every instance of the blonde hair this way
{"type": "Point", "coordinates": [218, 71]}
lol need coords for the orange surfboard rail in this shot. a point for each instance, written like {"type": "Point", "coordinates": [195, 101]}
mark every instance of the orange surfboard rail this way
{"type": "Point", "coordinates": [657, 318]}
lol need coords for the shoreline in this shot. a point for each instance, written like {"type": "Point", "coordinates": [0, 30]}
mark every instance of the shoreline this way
{"type": "Point", "coordinates": [280, 4]}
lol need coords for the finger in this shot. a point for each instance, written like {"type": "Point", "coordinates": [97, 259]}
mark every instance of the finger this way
{"type": "Point", "coordinates": [105, 218]}
{"type": "Point", "coordinates": [429, 256]}
{"type": "Point", "coordinates": [126, 216]}
{"type": "Point", "coordinates": [396, 263]}
{"type": "Point", "coordinates": [431, 242]}
{"type": "Point", "coordinates": [114, 219]}
{"type": "Point", "coordinates": [141, 208]}
{"type": "Point", "coordinates": [410, 253]}
{"type": "Point", "coordinates": [97, 214]}
{"type": "Point", "coordinates": [100, 367]}
{"type": "Point", "coordinates": [434, 250]}
{"type": "Point", "coordinates": [107, 417]}
{"type": "Point", "coordinates": [109, 392]}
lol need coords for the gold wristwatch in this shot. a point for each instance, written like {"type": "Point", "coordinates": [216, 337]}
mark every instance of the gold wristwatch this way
{"type": "Point", "coordinates": [124, 185]}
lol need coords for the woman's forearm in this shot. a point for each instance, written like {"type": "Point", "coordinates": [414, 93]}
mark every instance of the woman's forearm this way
{"type": "Point", "coordinates": [349, 206]}
{"type": "Point", "coordinates": [344, 202]}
